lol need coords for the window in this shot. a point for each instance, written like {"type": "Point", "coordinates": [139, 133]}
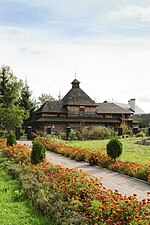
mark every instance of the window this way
{"type": "Point", "coordinates": [82, 112]}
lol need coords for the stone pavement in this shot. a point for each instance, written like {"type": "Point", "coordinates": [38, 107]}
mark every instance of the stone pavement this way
{"type": "Point", "coordinates": [111, 180]}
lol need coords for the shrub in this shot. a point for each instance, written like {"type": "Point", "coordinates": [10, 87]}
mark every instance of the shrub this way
{"type": "Point", "coordinates": [99, 132]}
{"type": "Point", "coordinates": [102, 132]}
{"type": "Point", "coordinates": [34, 135]}
{"type": "Point", "coordinates": [85, 132]}
{"type": "Point", "coordinates": [38, 153]}
{"type": "Point", "coordinates": [114, 148]}
{"type": "Point", "coordinates": [11, 139]}
{"type": "Point", "coordinates": [72, 135]}
{"type": "Point", "coordinates": [89, 133]}
{"type": "Point", "coordinates": [92, 158]}
{"type": "Point", "coordinates": [140, 134]}
{"type": "Point", "coordinates": [2, 133]}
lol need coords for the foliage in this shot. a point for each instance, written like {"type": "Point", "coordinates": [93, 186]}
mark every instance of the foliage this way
{"type": "Point", "coordinates": [143, 119]}
{"type": "Point", "coordinates": [9, 87]}
{"type": "Point", "coordinates": [15, 100]}
{"type": "Point", "coordinates": [2, 133]}
{"type": "Point", "coordinates": [102, 132]}
{"type": "Point", "coordinates": [71, 135]}
{"type": "Point", "coordinates": [16, 208]}
{"type": "Point", "coordinates": [49, 201]}
{"type": "Point", "coordinates": [114, 148]}
{"type": "Point", "coordinates": [12, 117]}
{"type": "Point", "coordinates": [98, 157]}
{"type": "Point", "coordinates": [89, 133]}
{"type": "Point", "coordinates": [25, 100]}
{"type": "Point", "coordinates": [19, 153]}
{"type": "Point", "coordinates": [99, 132]}
{"type": "Point", "coordinates": [140, 134]}
{"type": "Point", "coordinates": [34, 135]}
{"type": "Point", "coordinates": [38, 153]}
{"type": "Point", "coordinates": [124, 127]}
{"type": "Point", "coordinates": [11, 139]}
{"type": "Point", "coordinates": [131, 150]}
{"type": "Point", "coordinates": [44, 98]}
{"type": "Point", "coordinates": [72, 192]}
{"type": "Point", "coordinates": [92, 158]}
{"type": "Point", "coordinates": [140, 171]}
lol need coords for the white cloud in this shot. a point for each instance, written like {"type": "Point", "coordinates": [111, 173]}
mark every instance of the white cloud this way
{"type": "Point", "coordinates": [87, 18]}
{"type": "Point", "coordinates": [134, 12]}
{"type": "Point", "coordinates": [82, 36]}
{"type": "Point", "coordinates": [29, 51]}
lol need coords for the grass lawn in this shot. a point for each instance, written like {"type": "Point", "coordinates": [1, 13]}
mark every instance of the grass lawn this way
{"type": "Point", "coordinates": [131, 151]}
{"type": "Point", "coordinates": [15, 209]}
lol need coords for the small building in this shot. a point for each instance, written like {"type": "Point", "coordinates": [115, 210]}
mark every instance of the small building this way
{"type": "Point", "coordinates": [76, 110]}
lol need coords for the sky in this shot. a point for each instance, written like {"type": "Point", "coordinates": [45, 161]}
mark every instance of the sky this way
{"type": "Point", "coordinates": [105, 44]}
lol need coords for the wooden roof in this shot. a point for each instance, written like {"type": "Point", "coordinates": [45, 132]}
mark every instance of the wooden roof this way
{"type": "Point", "coordinates": [111, 108]}
{"type": "Point", "coordinates": [52, 107]}
{"type": "Point", "coordinates": [76, 96]}
{"type": "Point", "coordinates": [138, 110]}
{"type": "Point", "coordinates": [66, 119]}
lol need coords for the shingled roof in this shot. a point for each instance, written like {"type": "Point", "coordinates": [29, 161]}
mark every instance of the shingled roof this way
{"type": "Point", "coordinates": [106, 107]}
{"type": "Point", "coordinates": [138, 110]}
{"type": "Point", "coordinates": [76, 96]}
{"type": "Point", "coordinates": [51, 106]}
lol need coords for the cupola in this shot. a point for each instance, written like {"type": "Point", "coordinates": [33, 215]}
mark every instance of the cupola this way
{"type": "Point", "coordinates": [75, 83]}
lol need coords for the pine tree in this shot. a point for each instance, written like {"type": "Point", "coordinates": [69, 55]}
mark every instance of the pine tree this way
{"type": "Point", "coordinates": [9, 87]}
{"type": "Point", "coordinates": [25, 101]}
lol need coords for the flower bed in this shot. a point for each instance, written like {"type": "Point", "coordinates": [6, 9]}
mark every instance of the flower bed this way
{"type": "Point", "coordinates": [140, 171]}
{"type": "Point", "coordinates": [79, 192]}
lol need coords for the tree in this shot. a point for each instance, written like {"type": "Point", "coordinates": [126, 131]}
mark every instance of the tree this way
{"type": "Point", "coordinates": [38, 153]}
{"type": "Point", "coordinates": [9, 87]}
{"type": "Point", "coordinates": [12, 116]}
{"type": "Point", "coordinates": [45, 97]}
{"type": "Point", "coordinates": [114, 148]}
{"type": "Point", "coordinates": [11, 139]}
{"type": "Point", "coordinates": [25, 100]}
{"type": "Point", "coordinates": [143, 120]}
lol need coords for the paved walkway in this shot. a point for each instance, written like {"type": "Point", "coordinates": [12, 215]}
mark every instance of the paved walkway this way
{"type": "Point", "coordinates": [111, 180]}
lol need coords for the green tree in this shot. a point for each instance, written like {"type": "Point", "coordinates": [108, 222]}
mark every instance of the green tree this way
{"type": "Point", "coordinates": [38, 153]}
{"type": "Point", "coordinates": [45, 97]}
{"type": "Point", "coordinates": [12, 116]}
{"type": "Point", "coordinates": [114, 148]}
{"type": "Point", "coordinates": [143, 120]}
{"type": "Point", "coordinates": [10, 87]}
{"type": "Point", "coordinates": [11, 139]}
{"type": "Point", "coordinates": [25, 101]}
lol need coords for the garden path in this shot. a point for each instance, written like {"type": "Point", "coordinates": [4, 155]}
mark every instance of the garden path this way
{"type": "Point", "coordinates": [111, 180]}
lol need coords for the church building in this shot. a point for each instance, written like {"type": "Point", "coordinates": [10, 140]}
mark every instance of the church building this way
{"type": "Point", "coordinates": [76, 110]}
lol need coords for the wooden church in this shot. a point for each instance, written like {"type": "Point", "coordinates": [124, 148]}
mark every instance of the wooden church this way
{"type": "Point", "coordinates": [76, 110]}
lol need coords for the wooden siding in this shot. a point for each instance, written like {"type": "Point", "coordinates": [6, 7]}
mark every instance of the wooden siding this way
{"type": "Point", "coordinates": [53, 115]}
{"type": "Point", "coordinates": [74, 111]}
